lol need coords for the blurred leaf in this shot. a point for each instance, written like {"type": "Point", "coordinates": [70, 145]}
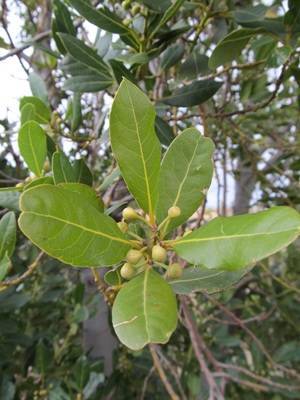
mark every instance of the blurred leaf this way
{"type": "Point", "coordinates": [10, 200]}
{"type": "Point", "coordinates": [42, 112]}
{"type": "Point", "coordinates": [191, 95]}
{"type": "Point", "coordinates": [4, 267]}
{"type": "Point", "coordinates": [288, 352]}
{"type": "Point", "coordinates": [195, 65]}
{"type": "Point", "coordinates": [82, 172]}
{"type": "Point", "coordinates": [250, 14]}
{"type": "Point", "coordinates": [38, 87]}
{"type": "Point", "coordinates": [7, 234]}
{"type": "Point", "coordinates": [28, 113]}
{"type": "Point", "coordinates": [231, 46]}
{"type": "Point", "coordinates": [84, 54]}
{"type": "Point", "coordinates": [62, 169]}
{"type": "Point", "coordinates": [164, 131]}
{"type": "Point", "coordinates": [101, 17]}
{"type": "Point", "coordinates": [172, 56]}
{"type": "Point", "coordinates": [76, 112]}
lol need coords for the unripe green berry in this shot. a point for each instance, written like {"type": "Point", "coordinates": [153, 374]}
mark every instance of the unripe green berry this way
{"type": "Point", "coordinates": [174, 212]}
{"type": "Point", "coordinates": [174, 271]}
{"type": "Point", "coordinates": [135, 9]}
{"type": "Point", "coordinates": [126, 4]}
{"type": "Point", "coordinates": [126, 21]}
{"type": "Point", "coordinates": [129, 213]}
{"type": "Point", "coordinates": [123, 226]}
{"type": "Point", "coordinates": [134, 256]}
{"type": "Point", "coordinates": [127, 271]}
{"type": "Point", "coordinates": [159, 254]}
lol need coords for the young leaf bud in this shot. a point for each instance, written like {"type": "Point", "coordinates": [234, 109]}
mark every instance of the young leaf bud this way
{"type": "Point", "coordinates": [134, 256]}
{"type": "Point", "coordinates": [174, 271]}
{"type": "Point", "coordinates": [129, 213]}
{"type": "Point", "coordinates": [159, 254]}
{"type": "Point", "coordinates": [174, 212]}
{"type": "Point", "coordinates": [127, 271]}
{"type": "Point", "coordinates": [123, 226]}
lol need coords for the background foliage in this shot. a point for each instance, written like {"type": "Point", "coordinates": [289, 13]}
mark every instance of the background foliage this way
{"type": "Point", "coordinates": [247, 337]}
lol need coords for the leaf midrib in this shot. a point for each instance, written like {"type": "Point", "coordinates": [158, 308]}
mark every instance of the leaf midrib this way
{"type": "Point", "coordinates": [33, 152]}
{"type": "Point", "coordinates": [97, 233]}
{"type": "Point", "coordinates": [295, 230]}
{"type": "Point", "coordinates": [141, 152]}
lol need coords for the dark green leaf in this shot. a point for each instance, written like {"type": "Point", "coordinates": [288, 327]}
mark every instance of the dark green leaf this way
{"type": "Point", "coordinates": [172, 56]}
{"type": "Point", "coordinates": [84, 54]}
{"type": "Point", "coordinates": [195, 65]}
{"type": "Point", "coordinates": [231, 46]}
{"type": "Point", "coordinates": [164, 131]}
{"type": "Point", "coordinates": [4, 267]}
{"type": "Point", "coordinates": [102, 17]}
{"type": "Point", "coordinates": [191, 95]}
{"type": "Point", "coordinates": [82, 173]}
{"type": "Point", "coordinates": [87, 84]}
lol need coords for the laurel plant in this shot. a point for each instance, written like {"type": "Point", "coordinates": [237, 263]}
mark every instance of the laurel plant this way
{"type": "Point", "coordinates": [64, 216]}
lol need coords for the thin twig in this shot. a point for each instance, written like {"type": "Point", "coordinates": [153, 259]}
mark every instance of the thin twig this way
{"type": "Point", "coordinates": [161, 373]}
{"type": "Point", "coordinates": [16, 281]}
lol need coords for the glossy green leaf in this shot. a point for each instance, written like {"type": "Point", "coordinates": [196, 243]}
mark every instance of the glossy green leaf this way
{"type": "Point", "coordinates": [191, 95]}
{"type": "Point", "coordinates": [83, 53]}
{"type": "Point", "coordinates": [40, 181]}
{"type": "Point", "coordinates": [38, 87]}
{"type": "Point", "coordinates": [88, 194]}
{"type": "Point", "coordinates": [62, 169]}
{"type": "Point", "coordinates": [134, 143]}
{"type": "Point", "coordinates": [42, 112]}
{"type": "Point", "coordinates": [101, 17]}
{"type": "Point", "coordinates": [232, 243]}
{"type": "Point", "coordinates": [229, 48]}
{"type": "Point", "coordinates": [28, 113]}
{"type": "Point", "coordinates": [144, 311]}
{"type": "Point", "coordinates": [195, 65]}
{"type": "Point", "coordinates": [59, 222]}
{"type": "Point", "coordinates": [63, 18]}
{"type": "Point", "coordinates": [4, 267]}
{"type": "Point", "coordinates": [7, 234]}
{"type": "Point", "coordinates": [186, 171]}
{"type": "Point", "coordinates": [33, 146]}
{"type": "Point", "coordinates": [82, 172]}
{"type": "Point", "coordinates": [172, 56]}
{"type": "Point", "coordinates": [197, 279]}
